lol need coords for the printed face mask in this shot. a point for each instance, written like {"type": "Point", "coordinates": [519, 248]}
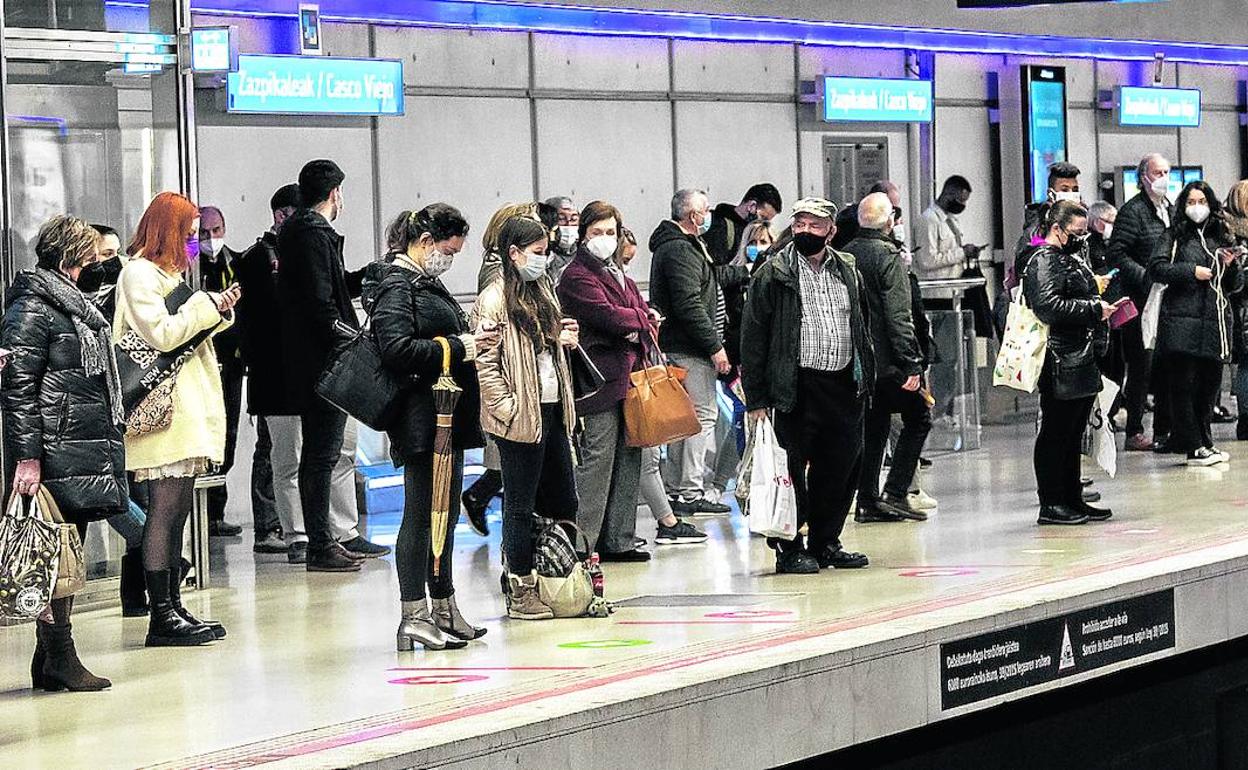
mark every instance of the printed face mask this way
{"type": "Point", "coordinates": [437, 263]}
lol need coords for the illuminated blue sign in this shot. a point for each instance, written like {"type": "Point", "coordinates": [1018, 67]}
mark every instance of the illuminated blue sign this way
{"type": "Point", "coordinates": [1158, 107]}
{"type": "Point", "coordinates": [213, 49]}
{"type": "Point", "coordinates": [316, 85]}
{"type": "Point", "coordinates": [877, 100]}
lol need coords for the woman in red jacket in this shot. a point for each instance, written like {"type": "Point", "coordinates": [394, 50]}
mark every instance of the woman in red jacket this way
{"type": "Point", "coordinates": [615, 322]}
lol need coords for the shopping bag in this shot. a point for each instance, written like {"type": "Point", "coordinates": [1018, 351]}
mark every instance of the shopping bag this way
{"type": "Point", "coordinates": [30, 549]}
{"type": "Point", "coordinates": [1021, 357]}
{"type": "Point", "coordinates": [773, 504]}
{"type": "Point", "coordinates": [1098, 440]}
{"type": "Point", "coordinates": [745, 468]}
{"type": "Point", "coordinates": [1152, 315]}
{"type": "Point", "coordinates": [71, 568]}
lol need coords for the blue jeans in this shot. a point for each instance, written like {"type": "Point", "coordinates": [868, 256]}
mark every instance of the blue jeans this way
{"type": "Point", "coordinates": [129, 525]}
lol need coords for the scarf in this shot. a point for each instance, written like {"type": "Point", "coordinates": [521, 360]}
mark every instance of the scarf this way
{"type": "Point", "coordinates": [95, 335]}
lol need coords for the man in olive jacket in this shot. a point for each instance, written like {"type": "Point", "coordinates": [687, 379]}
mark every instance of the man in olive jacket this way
{"type": "Point", "coordinates": [899, 363]}
{"type": "Point", "coordinates": [685, 289]}
{"type": "Point", "coordinates": [808, 366]}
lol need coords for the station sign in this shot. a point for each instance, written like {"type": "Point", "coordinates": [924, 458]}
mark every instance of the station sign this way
{"type": "Point", "coordinates": [876, 100]}
{"type": "Point", "coordinates": [1172, 107]}
{"type": "Point", "coordinates": [214, 49]}
{"type": "Point", "coordinates": [315, 85]}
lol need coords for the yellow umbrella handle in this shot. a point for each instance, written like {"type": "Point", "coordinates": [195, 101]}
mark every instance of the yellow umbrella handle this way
{"type": "Point", "coordinates": [446, 355]}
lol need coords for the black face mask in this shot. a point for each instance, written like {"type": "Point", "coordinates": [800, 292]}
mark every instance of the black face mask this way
{"type": "Point", "coordinates": [94, 276]}
{"type": "Point", "coordinates": [809, 244]}
{"type": "Point", "coordinates": [954, 207]}
{"type": "Point", "coordinates": [1074, 244]}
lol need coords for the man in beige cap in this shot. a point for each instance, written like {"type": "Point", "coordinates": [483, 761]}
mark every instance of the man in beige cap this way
{"type": "Point", "coordinates": [807, 365]}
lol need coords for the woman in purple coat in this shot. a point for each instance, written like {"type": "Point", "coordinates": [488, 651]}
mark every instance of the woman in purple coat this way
{"type": "Point", "coordinates": [615, 322]}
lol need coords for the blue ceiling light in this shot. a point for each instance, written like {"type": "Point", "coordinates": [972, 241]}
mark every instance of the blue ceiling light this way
{"type": "Point", "coordinates": [588, 20]}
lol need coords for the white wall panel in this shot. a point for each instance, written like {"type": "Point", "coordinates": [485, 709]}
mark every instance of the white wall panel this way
{"type": "Point", "coordinates": [725, 147]}
{"type": "Point", "coordinates": [241, 165]}
{"type": "Point", "coordinates": [851, 62]}
{"type": "Point", "coordinates": [962, 148]}
{"type": "Point", "coordinates": [620, 152]}
{"type": "Point", "coordinates": [706, 67]}
{"type": "Point", "coordinates": [471, 153]}
{"type": "Point", "coordinates": [965, 76]}
{"type": "Point", "coordinates": [1218, 85]}
{"type": "Point", "coordinates": [1215, 145]}
{"type": "Point", "coordinates": [587, 63]}
{"type": "Point", "coordinates": [457, 58]}
{"type": "Point", "coordinates": [1081, 148]}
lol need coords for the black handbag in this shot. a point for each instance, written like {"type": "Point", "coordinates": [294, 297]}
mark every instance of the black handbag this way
{"type": "Point", "coordinates": [1076, 373]}
{"type": "Point", "coordinates": [356, 382]}
{"type": "Point", "coordinates": [142, 369]}
{"type": "Point", "coordinates": [586, 379]}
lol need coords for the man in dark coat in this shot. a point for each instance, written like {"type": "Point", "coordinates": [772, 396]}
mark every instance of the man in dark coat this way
{"type": "Point", "coordinates": [317, 316]}
{"type": "Point", "coordinates": [899, 367]}
{"type": "Point", "coordinates": [1139, 227]}
{"type": "Point", "coordinates": [808, 366]}
{"type": "Point", "coordinates": [684, 287]}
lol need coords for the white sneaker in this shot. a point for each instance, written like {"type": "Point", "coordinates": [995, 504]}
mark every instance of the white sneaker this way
{"type": "Point", "coordinates": [921, 501]}
{"type": "Point", "coordinates": [713, 494]}
{"type": "Point", "coordinates": [1223, 457]}
{"type": "Point", "coordinates": [1202, 458]}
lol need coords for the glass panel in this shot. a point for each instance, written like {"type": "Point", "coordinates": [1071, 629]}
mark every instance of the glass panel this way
{"type": "Point", "coordinates": [93, 15]}
{"type": "Point", "coordinates": [88, 139]}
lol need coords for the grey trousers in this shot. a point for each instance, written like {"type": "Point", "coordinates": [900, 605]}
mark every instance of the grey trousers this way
{"type": "Point", "coordinates": [653, 493]}
{"type": "Point", "coordinates": [606, 482]}
{"type": "Point", "coordinates": [344, 516]}
{"type": "Point", "coordinates": [686, 474]}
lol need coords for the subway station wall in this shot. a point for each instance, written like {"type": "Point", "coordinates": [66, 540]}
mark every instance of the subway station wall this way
{"type": "Point", "coordinates": [630, 120]}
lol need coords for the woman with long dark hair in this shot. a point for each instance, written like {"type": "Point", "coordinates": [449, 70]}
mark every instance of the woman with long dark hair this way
{"type": "Point", "coordinates": [413, 317]}
{"type": "Point", "coordinates": [527, 402]}
{"type": "Point", "coordinates": [164, 246]}
{"type": "Point", "coordinates": [62, 417]}
{"type": "Point", "coordinates": [1195, 331]}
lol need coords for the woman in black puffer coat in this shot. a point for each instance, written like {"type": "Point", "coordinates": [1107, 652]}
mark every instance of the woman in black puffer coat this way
{"type": "Point", "coordinates": [1236, 214]}
{"type": "Point", "coordinates": [63, 416]}
{"type": "Point", "coordinates": [1195, 331]}
{"type": "Point", "coordinates": [412, 315]}
{"type": "Point", "coordinates": [1061, 289]}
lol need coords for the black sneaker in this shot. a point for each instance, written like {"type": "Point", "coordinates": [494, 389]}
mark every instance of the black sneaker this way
{"type": "Point", "coordinates": [682, 533]}
{"type": "Point", "coordinates": [223, 528]}
{"type": "Point", "coordinates": [1060, 514]}
{"type": "Point", "coordinates": [361, 547]}
{"type": "Point", "coordinates": [475, 510]}
{"type": "Point", "coordinates": [634, 555]}
{"type": "Point", "coordinates": [1203, 458]}
{"type": "Point", "coordinates": [297, 553]}
{"type": "Point", "coordinates": [271, 543]}
{"type": "Point", "coordinates": [796, 563]}
{"type": "Point", "coordinates": [839, 558]}
{"type": "Point", "coordinates": [870, 514]}
{"type": "Point", "coordinates": [898, 506]}
{"type": "Point", "coordinates": [704, 507]}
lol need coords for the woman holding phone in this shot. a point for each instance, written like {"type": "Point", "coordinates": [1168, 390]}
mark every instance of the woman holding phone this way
{"type": "Point", "coordinates": [1195, 331]}
{"type": "Point", "coordinates": [527, 402]}
{"type": "Point", "coordinates": [1062, 291]}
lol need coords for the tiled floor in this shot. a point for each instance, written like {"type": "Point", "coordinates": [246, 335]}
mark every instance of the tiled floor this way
{"type": "Point", "coordinates": [307, 653]}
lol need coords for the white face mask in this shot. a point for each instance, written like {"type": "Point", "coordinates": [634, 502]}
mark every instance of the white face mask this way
{"type": "Point", "coordinates": [1161, 186]}
{"type": "Point", "coordinates": [213, 246]}
{"type": "Point", "coordinates": [437, 263]}
{"type": "Point", "coordinates": [1107, 231]}
{"type": "Point", "coordinates": [567, 236]}
{"type": "Point", "coordinates": [1198, 213]}
{"type": "Point", "coordinates": [628, 267]}
{"type": "Point", "coordinates": [899, 232]}
{"type": "Point", "coordinates": [1069, 195]}
{"type": "Point", "coordinates": [603, 246]}
{"type": "Point", "coordinates": [534, 268]}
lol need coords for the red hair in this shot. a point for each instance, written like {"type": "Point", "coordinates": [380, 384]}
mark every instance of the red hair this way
{"type": "Point", "coordinates": [161, 234]}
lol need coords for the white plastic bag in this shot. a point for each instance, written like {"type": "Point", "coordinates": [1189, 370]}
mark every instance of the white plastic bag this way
{"type": "Point", "coordinates": [1152, 314]}
{"type": "Point", "coordinates": [773, 505]}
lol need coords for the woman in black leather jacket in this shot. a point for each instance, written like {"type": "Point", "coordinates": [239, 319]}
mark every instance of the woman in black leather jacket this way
{"type": "Point", "coordinates": [63, 416]}
{"type": "Point", "coordinates": [1195, 331]}
{"type": "Point", "coordinates": [1062, 291]}
{"type": "Point", "coordinates": [413, 314]}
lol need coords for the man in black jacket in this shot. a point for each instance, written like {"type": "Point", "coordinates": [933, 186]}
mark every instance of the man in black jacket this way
{"type": "Point", "coordinates": [684, 288]}
{"type": "Point", "coordinates": [1140, 225]}
{"type": "Point", "coordinates": [807, 364]}
{"type": "Point", "coordinates": [899, 367]}
{"type": "Point", "coordinates": [316, 305]}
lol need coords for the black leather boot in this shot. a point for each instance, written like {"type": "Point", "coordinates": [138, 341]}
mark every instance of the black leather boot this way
{"type": "Point", "coordinates": [165, 627]}
{"type": "Point", "coordinates": [36, 661]}
{"type": "Point", "coordinates": [61, 668]}
{"type": "Point", "coordinates": [133, 586]}
{"type": "Point", "coordinates": [175, 596]}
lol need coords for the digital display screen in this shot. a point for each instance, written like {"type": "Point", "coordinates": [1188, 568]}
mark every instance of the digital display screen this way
{"type": "Point", "coordinates": [315, 85]}
{"type": "Point", "coordinates": [1180, 177]}
{"type": "Point", "coordinates": [877, 100]}
{"type": "Point", "coordinates": [1044, 107]}
{"type": "Point", "coordinates": [310, 29]}
{"type": "Point", "coordinates": [213, 49]}
{"type": "Point", "coordinates": [1158, 107]}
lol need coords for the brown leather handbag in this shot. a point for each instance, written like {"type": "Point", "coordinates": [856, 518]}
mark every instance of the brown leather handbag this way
{"type": "Point", "coordinates": [657, 410]}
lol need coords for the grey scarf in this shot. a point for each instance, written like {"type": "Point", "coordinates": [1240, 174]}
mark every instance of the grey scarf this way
{"type": "Point", "coordinates": [95, 335]}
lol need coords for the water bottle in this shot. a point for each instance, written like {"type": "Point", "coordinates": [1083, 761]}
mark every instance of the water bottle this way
{"type": "Point", "coordinates": [595, 574]}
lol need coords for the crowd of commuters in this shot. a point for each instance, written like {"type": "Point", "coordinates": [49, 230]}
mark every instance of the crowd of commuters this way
{"type": "Point", "coordinates": [821, 331]}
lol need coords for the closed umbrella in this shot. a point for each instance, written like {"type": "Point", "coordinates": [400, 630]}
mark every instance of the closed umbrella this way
{"type": "Point", "coordinates": [445, 396]}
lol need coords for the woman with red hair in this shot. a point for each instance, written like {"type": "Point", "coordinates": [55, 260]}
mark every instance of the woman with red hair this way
{"type": "Point", "coordinates": [170, 456]}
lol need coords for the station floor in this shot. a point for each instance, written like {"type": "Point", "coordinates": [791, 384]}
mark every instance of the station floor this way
{"type": "Point", "coordinates": [309, 667]}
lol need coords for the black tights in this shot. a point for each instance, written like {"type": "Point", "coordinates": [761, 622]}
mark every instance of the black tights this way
{"type": "Point", "coordinates": [412, 555]}
{"type": "Point", "coordinates": [169, 505]}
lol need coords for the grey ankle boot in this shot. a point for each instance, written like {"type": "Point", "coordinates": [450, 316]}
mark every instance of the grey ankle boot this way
{"type": "Point", "coordinates": [447, 617]}
{"type": "Point", "coordinates": [417, 626]}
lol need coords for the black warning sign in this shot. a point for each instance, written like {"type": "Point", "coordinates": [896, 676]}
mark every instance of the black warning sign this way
{"type": "Point", "coordinates": [1004, 661]}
